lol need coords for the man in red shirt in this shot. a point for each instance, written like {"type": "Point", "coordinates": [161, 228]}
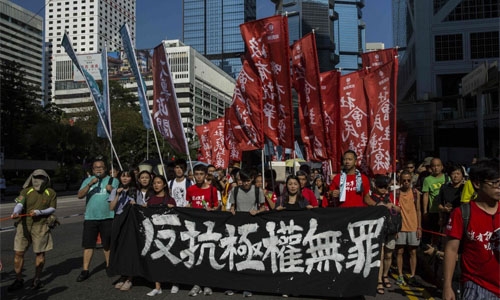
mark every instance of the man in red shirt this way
{"type": "Point", "coordinates": [480, 260]}
{"type": "Point", "coordinates": [202, 195]}
{"type": "Point", "coordinates": [350, 188]}
{"type": "Point", "coordinates": [307, 193]}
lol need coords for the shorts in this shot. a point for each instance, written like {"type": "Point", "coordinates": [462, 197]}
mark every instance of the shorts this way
{"type": "Point", "coordinates": [37, 234]}
{"type": "Point", "coordinates": [92, 228]}
{"type": "Point", "coordinates": [407, 238]}
{"type": "Point", "coordinates": [474, 291]}
{"type": "Point", "coordinates": [390, 242]}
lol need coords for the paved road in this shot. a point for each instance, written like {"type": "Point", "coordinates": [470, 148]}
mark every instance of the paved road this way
{"type": "Point", "coordinates": [63, 264]}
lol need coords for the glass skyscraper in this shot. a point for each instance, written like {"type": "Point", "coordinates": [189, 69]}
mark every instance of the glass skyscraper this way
{"type": "Point", "coordinates": [306, 16]}
{"type": "Point", "coordinates": [349, 34]}
{"type": "Point", "coordinates": [212, 27]}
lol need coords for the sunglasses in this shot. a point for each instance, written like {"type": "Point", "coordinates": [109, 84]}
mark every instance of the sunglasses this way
{"type": "Point", "coordinates": [406, 180]}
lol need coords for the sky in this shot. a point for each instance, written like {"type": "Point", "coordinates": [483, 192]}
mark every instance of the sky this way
{"type": "Point", "coordinates": [159, 20]}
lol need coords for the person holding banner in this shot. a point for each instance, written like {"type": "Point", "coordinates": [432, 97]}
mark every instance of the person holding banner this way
{"type": "Point", "coordinates": [292, 199]}
{"type": "Point", "coordinates": [98, 216]}
{"type": "Point", "coordinates": [144, 185]}
{"type": "Point", "coordinates": [35, 203]}
{"type": "Point", "coordinates": [179, 185]}
{"type": "Point", "coordinates": [160, 196]}
{"type": "Point", "coordinates": [125, 193]}
{"type": "Point", "coordinates": [350, 188]}
{"type": "Point", "coordinates": [202, 195]}
{"type": "Point", "coordinates": [307, 193]}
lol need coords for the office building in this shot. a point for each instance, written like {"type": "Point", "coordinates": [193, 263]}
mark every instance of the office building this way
{"type": "Point", "coordinates": [349, 34]}
{"type": "Point", "coordinates": [89, 23]}
{"type": "Point", "coordinates": [441, 42]}
{"type": "Point", "coordinates": [212, 27]}
{"type": "Point", "coordinates": [203, 90]}
{"type": "Point", "coordinates": [306, 16]}
{"type": "Point", "coordinates": [21, 40]}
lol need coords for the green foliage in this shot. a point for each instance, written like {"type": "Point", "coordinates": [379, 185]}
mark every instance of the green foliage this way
{"type": "Point", "coordinates": [31, 131]}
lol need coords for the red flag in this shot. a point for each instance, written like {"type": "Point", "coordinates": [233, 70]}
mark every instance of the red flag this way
{"type": "Point", "coordinates": [246, 110]}
{"type": "Point", "coordinates": [235, 153]}
{"type": "Point", "coordinates": [376, 59]}
{"type": "Point", "coordinates": [205, 148]}
{"type": "Point", "coordinates": [166, 115]}
{"type": "Point", "coordinates": [307, 84]}
{"type": "Point", "coordinates": [380, 90]}
{"type": "Point", "coordinates": [267, 40]}
{"type": "Point", "coordinates": [331, 115]}
{"type": "Point", "coordinates": [354, 116]}
{"type": "Point", "coordinates": [220, 155]}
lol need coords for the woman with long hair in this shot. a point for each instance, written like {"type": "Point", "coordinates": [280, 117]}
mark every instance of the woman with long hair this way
{"type": "Point", "coordinates": [118, 199]}
{"type": "Point", "coordinates": [320, 189]}
{"type": "Point", "coordinates": [292, 199]}
{"type": "Point", "coordinates": [159, 196]}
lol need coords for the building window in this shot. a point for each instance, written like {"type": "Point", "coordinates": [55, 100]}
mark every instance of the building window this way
{"type": "Point", "coordinates": [484, 44]}
{"type": "Point", "coordinates": [473, 10]}
{"type": "Point", "coordinates": [448, 47]}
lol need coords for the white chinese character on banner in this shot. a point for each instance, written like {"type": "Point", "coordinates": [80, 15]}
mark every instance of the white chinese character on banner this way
{"type": "Point", "coordinates": [365, 254]}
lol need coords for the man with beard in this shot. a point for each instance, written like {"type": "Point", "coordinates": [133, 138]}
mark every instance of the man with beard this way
{"type": "Point", "coordinates": [34, 205]}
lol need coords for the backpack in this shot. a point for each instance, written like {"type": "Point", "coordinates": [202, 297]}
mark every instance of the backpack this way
{"type": "Point", "coordinates": [465, 208]}
{"type": "Point", "coordinates": [187, 182]}
{"type": "Point", "coordinates": [236, 189]}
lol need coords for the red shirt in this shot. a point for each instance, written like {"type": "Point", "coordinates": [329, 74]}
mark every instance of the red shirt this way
{"type": "Point", "coordinates": [352, 198]}
{"type": "Point", "coordinates": [308, 194]}
{"type": "Point", "coordinates": [199, 198]}
{"type": "Point", "coordinates": [480, 258]}
{"type": "Point", "coordinates": [165, 200]}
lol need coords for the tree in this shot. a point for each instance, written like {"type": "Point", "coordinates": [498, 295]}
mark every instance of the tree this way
{"type": "Point", "coordinates": [19, 108]}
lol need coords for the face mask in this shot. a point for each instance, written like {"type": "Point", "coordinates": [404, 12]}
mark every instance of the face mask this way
{"type": "Point", "coordinates": [39, 184]}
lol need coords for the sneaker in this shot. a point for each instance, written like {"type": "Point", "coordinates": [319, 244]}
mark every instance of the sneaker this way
{"type": "Point", "coordinates": [229, 292]}
{"type": "Point", "coordinates": [126, 285]}
{"type": "Point", "coordinates": [285, 295]}
{"type": "Point", "coordinates": [16, 285]}
{"type": "Point", "coordinates": [174, 289]}
{"type": "Point", "coordinates": [412, 280]}
{"type": "Point", "coordinates": [154, 292]}
{"type": "Point", "coordinates": [207, 291]}
{"type": "Point", "coordinates": [400, 281]}
{"type": "Point", "coordinates": [194, 291]}
{"type": "Point", "coordinates": [84, 275]}
{"type": "Point", "coordinates": [37, 284]}
{"type": "Point", "coordinates": [247, 294]}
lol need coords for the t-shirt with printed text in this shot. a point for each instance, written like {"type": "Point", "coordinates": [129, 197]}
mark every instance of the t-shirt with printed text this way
{"type": "Point", "coordinates": [200, 198]}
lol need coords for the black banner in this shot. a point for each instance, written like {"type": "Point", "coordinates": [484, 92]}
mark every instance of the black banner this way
{"type": "Point", "coordinates": [332, 252]}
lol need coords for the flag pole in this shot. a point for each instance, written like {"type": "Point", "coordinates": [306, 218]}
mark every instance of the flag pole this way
{"type": "Point", "coordinates": [94, 91]}
{"type": "Point", "coordinates": [141, 92]}
{"type": "Point", "coordinates": [105, 94]}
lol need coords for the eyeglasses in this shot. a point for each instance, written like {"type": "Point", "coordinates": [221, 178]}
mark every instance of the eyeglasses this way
{"type": "Point", "coordinates": [494, 184]}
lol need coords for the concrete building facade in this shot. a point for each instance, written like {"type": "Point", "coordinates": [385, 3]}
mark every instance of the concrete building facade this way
{"type": "Point", "coordinates": [90, 24]}
{"type": "Point", "coordinates": [21, 40]}
{"type": "Point", "coordinates": [440, 42]}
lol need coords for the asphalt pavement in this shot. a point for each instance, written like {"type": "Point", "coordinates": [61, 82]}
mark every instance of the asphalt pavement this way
{"type": "Point", "coordinates": [63, 265]}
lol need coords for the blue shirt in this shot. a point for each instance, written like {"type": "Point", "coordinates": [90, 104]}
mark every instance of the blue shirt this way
{"type": "Point", "coordinates": [97, 207]}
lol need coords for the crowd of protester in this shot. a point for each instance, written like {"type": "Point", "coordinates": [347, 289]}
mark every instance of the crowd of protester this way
{"type": "Point", "coordinates": [425, 195]}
